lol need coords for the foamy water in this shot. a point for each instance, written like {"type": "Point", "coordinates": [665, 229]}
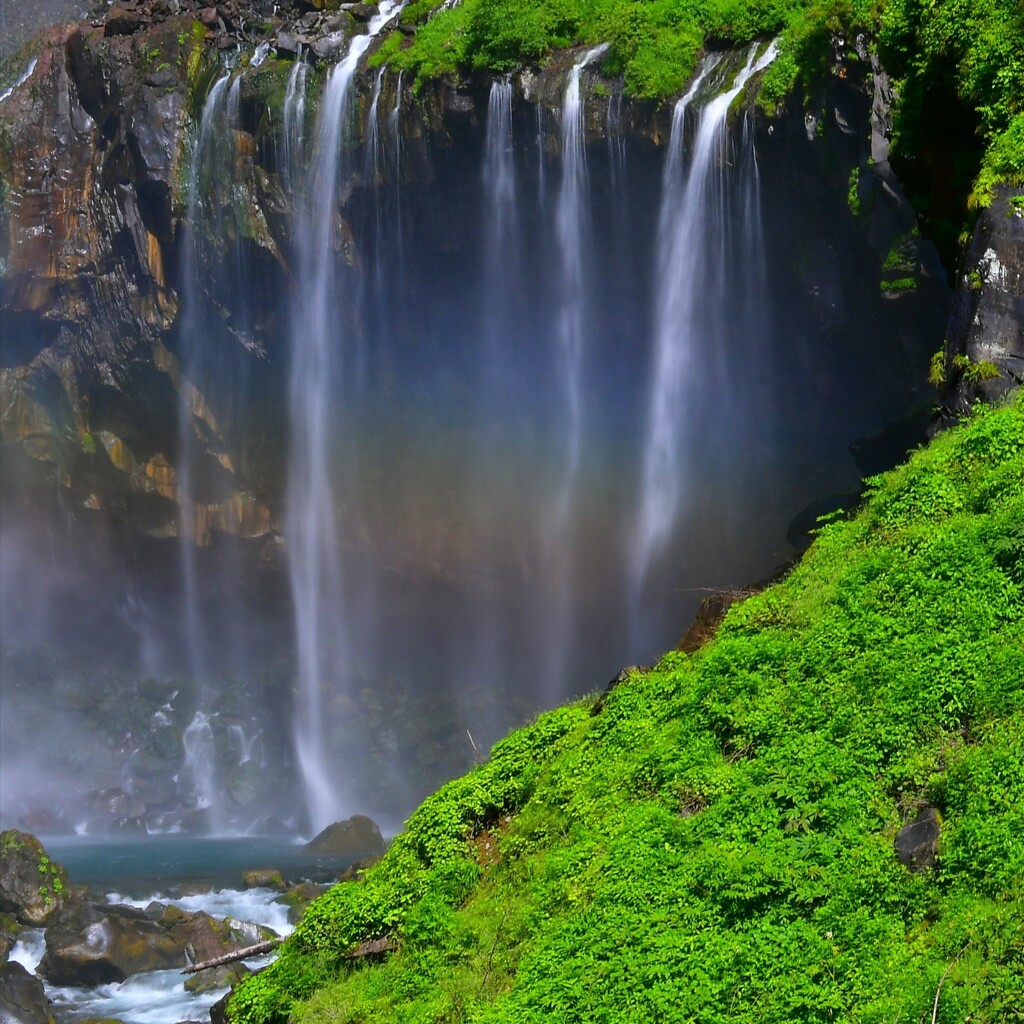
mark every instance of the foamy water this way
{"type": "Point", "coordinates": [159, 997]}
{"type": "Point", "coordinates": [257, 905]}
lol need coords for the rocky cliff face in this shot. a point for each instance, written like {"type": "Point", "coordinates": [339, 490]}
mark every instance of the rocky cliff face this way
{"type": "Point", "coordinates": [984, 351]}
{"type": "Point", "coordinates": [95, 160]}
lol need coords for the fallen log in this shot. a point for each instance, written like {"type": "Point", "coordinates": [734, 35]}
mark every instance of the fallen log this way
{"type": "Point", "coordinates": [230, 958]}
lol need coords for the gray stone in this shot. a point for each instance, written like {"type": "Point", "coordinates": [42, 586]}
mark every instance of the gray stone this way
{"type": "Point", "coordinates": [91, 945]}
{"type": "Point", "coordinates": [352, 837]}
{"type": "Point", "coordinates": [917, 843]}
{"type": "Point", "coordinates": [22, 998]}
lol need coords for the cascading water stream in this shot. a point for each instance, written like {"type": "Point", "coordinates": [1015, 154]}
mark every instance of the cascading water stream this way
{"type": "Point", "coordinates": [395, 131]}
{"type": "Point", "coordinates": [691, 312]}
{"type": "Point", "coordinates": [204, 158]}
{"type": "Point", "coordinates": [572, 229]}
{"type": "Point", "coordinates": [374, 144]}
{"type": "Point", "coordinates": [572, 219]}
{"type": "Point", "coordinates": [316, 342]}
{"type": "Point", "coordinates": [295, 120]}
{"type": "Point", "coordinates": [199, 766]}
{"type": "Point", "coordinates": [499, 180]}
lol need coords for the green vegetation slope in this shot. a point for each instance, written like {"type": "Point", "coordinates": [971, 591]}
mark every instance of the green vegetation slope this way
{"type": "Point", "coordinates": [713, 840]}
{"type": "Point", "coordinates": [959, 64]}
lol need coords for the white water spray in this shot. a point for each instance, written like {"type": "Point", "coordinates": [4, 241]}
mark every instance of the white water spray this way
{"type": "Point", "coordinates": [203, 158]}
{"type": "Point", "coordinates": [314, 560]}
{"type": "Point", "coordinates": [21, 80]}
{"type": "Point", "coordinates": [690, 303]}
{"type": "Point", "coordinates": [572, 222]}
{"type": "Point", "coordinates": [295, 120]}
{"type": "Point", "coordinates": [200, 764]}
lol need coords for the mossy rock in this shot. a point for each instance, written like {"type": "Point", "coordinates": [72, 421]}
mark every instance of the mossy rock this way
{"type": "Point", "coordinates": [32, 886]}
{"type": "Point", "coordinates": [264, 878]}
{"type": "Point", "coordinates": [351, 837]}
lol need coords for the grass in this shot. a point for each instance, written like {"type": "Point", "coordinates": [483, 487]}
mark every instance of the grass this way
{"type": "Point", "coordinates": [716, 843]}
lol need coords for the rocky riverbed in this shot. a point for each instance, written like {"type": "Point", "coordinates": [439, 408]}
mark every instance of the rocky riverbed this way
{"type": "Point", "coordinates": [118, 948]}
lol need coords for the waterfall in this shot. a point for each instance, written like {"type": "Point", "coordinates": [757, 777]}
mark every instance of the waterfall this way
{"type": "Point", "coordinates": [395, 130]}
{"type": "Point", "coordinates": [317, 340]}
{"type": "Point", "coordinates": [541, 176]}
{"type": "Point", "coordinates": [20, 80]}
{"type": "Point", "coordinates": [556, 558]}
{"type": "Point", "coordinates": [572, 220]}
{"type": "Point", "coordinates": [499, 183]}
{"type": "Point", "coordinates": [374, 145]}
{"type": "Point", "coordinates": [693, 307]}
{"type": "Point", "coordinates": [200, 766]}
{"type": "Point", "coordinates": [245, 744]}
{"type": "Point", "coordinates": [294, 120]}
{"type": "Point", "coordinates": [203, 165]}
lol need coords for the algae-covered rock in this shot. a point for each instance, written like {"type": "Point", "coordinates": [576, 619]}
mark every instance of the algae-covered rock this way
{"type": "Point", "coordinates": [225, 976]}
{"type": "Point", "coordinates": [92, 945]}
{"type": "Point", "coordinates": [264, 878]}
{"type": "Point", "coordinates": [32, 886]}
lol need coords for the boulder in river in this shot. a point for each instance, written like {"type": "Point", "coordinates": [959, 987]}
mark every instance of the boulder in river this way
{"type": "Point", "coordinates": [227, 975]}
{"type": "Point", "coordinates": [353, 837]}
{"type": "Point", "coordinates": [22, 998]}
{"type": "Point", "coordinates": [32, 886]}
{"type": "Point", "coordinates": [88, 944]}
{"type": "Point", "coordinates": [264, 878]}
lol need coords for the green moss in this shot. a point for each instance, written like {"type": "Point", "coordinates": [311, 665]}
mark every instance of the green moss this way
{"type": "Point", "coordinates": [714, 841]}
{"type": "Point", "coordinates": [853, 192]}
{"type": "Point", "coordinates": [975, 372]}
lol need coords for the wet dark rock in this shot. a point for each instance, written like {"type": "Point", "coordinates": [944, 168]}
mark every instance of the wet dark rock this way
{"type": "Point", "coordinates": [288, 44]}
{"type": "Point", "coordinates": [219, 1010]}
{"type": "Point", "coordinates": [133, 826]}
{"type": "Point", "coordinates": [204, 938]}
{"type": "Point", "coordinates": [986, 325]}
{"type": "Point", "coordinates": [800, 531]}
{"type": "Point", "coordinates": [115, 803]}
{"type": "Point", "coordinates": [92, 945]}
{"type": "Point", "coordinates": [248, 933]}
{"type": "Point", "coordinates": [43, 823]}
{"type": "Point", "coordinates": [123, 20]}
{"type": "Point", "coordinates": [887, 447]}
{"type": "Point", "coordinates": [227, 975]}
{"type": "Point", "coordinates": [298, 897]}
{"type": "Point", "coordinates": [9, 929]}
{"type": "Point", "coordinates": [357, 870]}
{"type": "Point", "coordinates": [710, 614]}
{"type": "Point", "coordinates": [361, 12]}
{"type": "Point", "coordinates": [264, 878]}
{"type": "Point", "coordinates": [22, 997]}
{"type": "Point", "coordinates": [32, 886]}
{"type": "Point", "coordinates": [208, 16]}
{"type": "Point", "coordinates": [327, 47]}
{"type": "Point", "coordinates": [353, 836]}
{"type": "Point", "coordinates": [155, 790]}
{"type": "Point", "coordinates": [917, 844]}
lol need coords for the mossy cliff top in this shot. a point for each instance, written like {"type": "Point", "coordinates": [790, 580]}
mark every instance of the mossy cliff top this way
{"type": "Point", "coordinates": [715, 839]}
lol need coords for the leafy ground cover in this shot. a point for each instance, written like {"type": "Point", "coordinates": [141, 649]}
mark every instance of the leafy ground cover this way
{"type": "Point", "coordinates": [713, 840]}
{"type": "Point", "coordinates": [959, 64]}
